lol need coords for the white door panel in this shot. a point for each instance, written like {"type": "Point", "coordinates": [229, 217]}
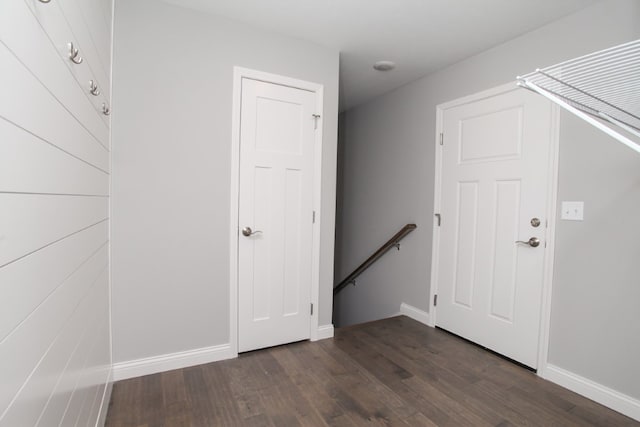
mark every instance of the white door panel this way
{"type": "Point", "coordinates": [494, 181]}
{"type": "Point", "coordinates": [276, 189]}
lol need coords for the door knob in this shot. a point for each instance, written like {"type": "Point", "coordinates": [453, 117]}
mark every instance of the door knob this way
{"type": "Point", "coordinates": [534, 242]}
{"type": "Point", "coordinates": [248, 232]}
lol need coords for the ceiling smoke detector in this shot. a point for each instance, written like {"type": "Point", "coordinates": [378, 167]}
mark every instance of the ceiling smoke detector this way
{"type": "Point", "coordinates": [384, 66]}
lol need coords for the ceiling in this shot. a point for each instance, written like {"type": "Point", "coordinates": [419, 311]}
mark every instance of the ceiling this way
{"type": "Point", "coordinates": [420, 36]}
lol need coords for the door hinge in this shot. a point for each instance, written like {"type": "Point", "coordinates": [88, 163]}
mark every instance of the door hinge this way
{"type": "Point", "coordinates": [435, 300]}
{"type": "Point", "coordinates": [439, 218]}
{"type": "Point", "coordinates": [312, 309]}
{"type": "Point", "coordinates": [442, 139]}
{"type": "Point", "coordinates": [315, 120]}
{"type": "Point", "coordinates": [313, 219]}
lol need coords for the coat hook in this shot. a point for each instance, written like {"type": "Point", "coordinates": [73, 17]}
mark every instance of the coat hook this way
{"type": "Point", "coordinates": [74, 54]}
{"type": "Point", "coordinates": [93, 88]}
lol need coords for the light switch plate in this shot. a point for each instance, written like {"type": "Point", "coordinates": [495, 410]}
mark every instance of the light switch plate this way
{"type": "Point", "coordinates": [572, 211]}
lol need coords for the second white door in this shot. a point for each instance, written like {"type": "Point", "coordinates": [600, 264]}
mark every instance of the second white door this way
{"type": "Point", "coordinates": [277, 126]}
{"type": "Point", "coordinates": [495, 181]}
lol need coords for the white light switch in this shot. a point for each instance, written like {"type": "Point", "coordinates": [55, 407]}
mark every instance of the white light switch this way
{"type": "Point", "coordinates": [572, 211]}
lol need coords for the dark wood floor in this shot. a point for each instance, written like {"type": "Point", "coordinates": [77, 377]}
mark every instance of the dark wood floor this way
{"type": "Point", "coordinates": [390, 372]}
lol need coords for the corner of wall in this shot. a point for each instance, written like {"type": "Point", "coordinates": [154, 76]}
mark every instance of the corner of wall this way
{"type": "Point", "coordinates": [414, 313]}
{"type": "Point", "coordinates": [324, 332]}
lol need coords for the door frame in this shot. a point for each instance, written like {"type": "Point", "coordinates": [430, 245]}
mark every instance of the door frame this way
{"type": "Point", "coordinates": [552, 197]}
{"type": "Point", "coordinates": [240, 73]}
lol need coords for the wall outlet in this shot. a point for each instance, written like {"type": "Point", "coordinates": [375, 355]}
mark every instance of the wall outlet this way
{"type": "Point", "coordinates": [572, 211]}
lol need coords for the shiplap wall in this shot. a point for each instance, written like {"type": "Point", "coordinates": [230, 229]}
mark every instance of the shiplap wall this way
{"type": "Point", "coordinates": [55, 350]}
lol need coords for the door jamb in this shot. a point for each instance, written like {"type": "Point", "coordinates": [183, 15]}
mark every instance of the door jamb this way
{"type": "Point", "coordinates": [552, 197]}
{"type": "Point", "coordinates": [240, 73]}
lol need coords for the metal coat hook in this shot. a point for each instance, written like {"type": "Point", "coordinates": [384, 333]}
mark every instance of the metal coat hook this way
{"type": "Point", "coordinates": [93, 88]}
{"type": "Point", "coordinates": [74, 54]}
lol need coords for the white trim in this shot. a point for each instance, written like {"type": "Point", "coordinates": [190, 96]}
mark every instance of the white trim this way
{"type": "Point", "coordinates": [435, 244]}
{"type": "Point", "coordinates": [550, 239]}
{"type": "Point", "coordinates": [317, 226]}
{"type": "Point", "coordinates": [613, 399]}
{"type": "Point", "coordinates": [238, 74]}
{"type": "Point", "coordinates": [233, 218]}
{"type": "Point", "coordinates": [104, 402]}
{"type": "Point", "coordinates": [552, 195]}
{"type": "Point", "coordinates": [414, 313]}
{"type": "Point", "coordinates": [106, 395]}
{"type": "Point", "coordinates": [323, 332]}
{"type": "Point", "coordinates": [168, 362]}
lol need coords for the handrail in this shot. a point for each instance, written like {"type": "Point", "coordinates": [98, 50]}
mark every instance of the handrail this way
{"type": "Point", "coordinates": [393, 242]}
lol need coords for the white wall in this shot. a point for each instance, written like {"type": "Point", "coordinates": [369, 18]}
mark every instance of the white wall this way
{"type": "Point", "coordinates": [387, 179]}
{"type": "Point", "coordinates": [173, 81]}
{"type": "Point", "coordinates": [55, 355]}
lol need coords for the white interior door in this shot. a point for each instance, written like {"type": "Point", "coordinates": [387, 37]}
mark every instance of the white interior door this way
{"type": "Point", "coordinates": [495, 179]}
{"type": "Point", "coordinates": [275, 214]}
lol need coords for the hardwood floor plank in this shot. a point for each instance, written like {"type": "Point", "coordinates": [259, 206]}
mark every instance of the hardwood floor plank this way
{"type": "Point", "coordinates": [326, 406]}
{"type": "Point", "coordinates": [382, 371]}
{"type": "Point", "coordinates": [446, 383]}
{"type": "Point", "coordinates": [430, 403]}
{"type": "Point", "coordinates": [285, 404]}
{"type": "Point", "coordinates": [173, 387]}
{"type": "Point", "coordinates": [217, 382]}
{"type": "Point", "coordinates": [203, 411]}
{"type": "Point", "coordinates": [365, 401]}
{"type": "Point", "coordinates": [545, 415]}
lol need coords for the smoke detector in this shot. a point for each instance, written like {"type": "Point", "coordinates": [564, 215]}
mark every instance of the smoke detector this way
{"type": "Point", "coordinates": [384, 65]}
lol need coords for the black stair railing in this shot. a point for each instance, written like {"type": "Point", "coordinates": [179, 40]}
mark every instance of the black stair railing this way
{"type": "Point", "coordinates": [391, 243]}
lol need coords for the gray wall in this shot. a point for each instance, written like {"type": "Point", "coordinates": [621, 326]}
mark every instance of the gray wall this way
{"type": "Point", "coordinates": [595, 312]}
{"type": "Point", "coordinates": [172, 99]}
{"type": "Point", "coordinates": [387, 179]}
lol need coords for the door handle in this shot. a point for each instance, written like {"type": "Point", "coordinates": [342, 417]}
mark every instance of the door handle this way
{"type": "Point", "coordinates": [534, 242]}
{"type": "Point", "coordinates": [248, 232]}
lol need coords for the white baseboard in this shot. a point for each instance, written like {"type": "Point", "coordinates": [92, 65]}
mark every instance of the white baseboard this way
{"type": "Point", "coordinates": [613, 399]}
{"type": "Point", "coordinates": [168, 362]}
{"type": "Point", "coordinates": [104, 403]}
{"type": "Point", "coordinates": [414, 313]}
{"type": "Point", "coordinates": [324, 332]}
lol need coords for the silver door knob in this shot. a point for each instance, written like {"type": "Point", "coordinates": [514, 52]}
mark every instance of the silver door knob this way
{"type": "Point", "coordinates": [534, 242]}
{"type": "Point", "coordinates": [248, 232]}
